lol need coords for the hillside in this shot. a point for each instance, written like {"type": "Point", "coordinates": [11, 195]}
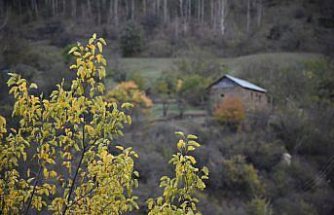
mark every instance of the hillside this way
{"type": "Point", "coordinates": [166, 28]}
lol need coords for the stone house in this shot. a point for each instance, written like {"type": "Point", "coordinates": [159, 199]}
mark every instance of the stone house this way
{"type": "Point", "coordinates": [253, 97]}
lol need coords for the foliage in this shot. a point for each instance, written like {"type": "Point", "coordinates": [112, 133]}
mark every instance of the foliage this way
{"type": "Point", "coordinates": [165, 87]}
{"type": "Point", "coordinates": [138, 79]}
{"type": "Point", "coordinates": [178, 192]}
{"type": "Point", "coordinates": [131, 40]}
{"type": "Point", "coordinates": [129, 92]}
{"type": "Point", "coordinates": [258, 206]}
{"type": "Point", "coordinates": [230, 112]}
{"type": "Point", "coordinates": [193, 89]}
{"type": "Point", "coordinates": [322, 72]}
{"type": "Point", "coordinates": [71, 124]}
{"type": "Point", "coordinates": [239, 176]}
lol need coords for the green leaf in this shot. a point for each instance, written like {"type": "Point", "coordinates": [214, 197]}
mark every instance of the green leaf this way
{"type": "Point", "coordinates": [192, 137]}
{"type": "Point", "coordinates": [180, 134]}
{"type": "Point", "coordinates": [193, 143]}
{"type": "Point", "coordinates": [205, 170]}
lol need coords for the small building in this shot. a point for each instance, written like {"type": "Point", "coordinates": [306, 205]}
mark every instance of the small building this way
{"type": "Point", "coordinates": [252, 96]}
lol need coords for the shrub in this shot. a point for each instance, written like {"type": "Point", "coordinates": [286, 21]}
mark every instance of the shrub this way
{"type": "Point", "coordinates": [193, 89]}
{"type": "Point", "coordinates": [129, 92]}
{"type": "Point", "coordinates": [178, 191]}
{"type": "Point", "coordinates": [239, 176]}
{"type": "Point", "coordinates": [258, 206]}
{"type": "Point", "coordinates": [230, 112]}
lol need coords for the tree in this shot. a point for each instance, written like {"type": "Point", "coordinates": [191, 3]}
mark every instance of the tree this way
{"type": "Point", "coordinates": [131, 40]}
{"type": "Point", "coordinates": [69, 136]}
{"type": "Point", "coordinates": [165, 87]}
{"type": "Point", "coordinates": [193, 89]}
{"type": "Point", "coordinates": [66, 142]}
{"type": "Point", "coordinates": [178, 192]}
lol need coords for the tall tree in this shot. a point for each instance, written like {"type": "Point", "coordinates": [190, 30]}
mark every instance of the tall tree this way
{"type": "Point", "coordinates": [223, 15]}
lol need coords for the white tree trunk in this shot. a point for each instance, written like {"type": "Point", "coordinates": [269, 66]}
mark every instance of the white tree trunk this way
{"type": "Point", "coordinates": [223, 15]}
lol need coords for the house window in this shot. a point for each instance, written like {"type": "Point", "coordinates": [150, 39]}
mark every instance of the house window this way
{"type": "Point", "coordinates": [222, 95]}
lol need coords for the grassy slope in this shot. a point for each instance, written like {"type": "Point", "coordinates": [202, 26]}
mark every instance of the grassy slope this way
{"type": "Point", "coordinates": [152, 68]}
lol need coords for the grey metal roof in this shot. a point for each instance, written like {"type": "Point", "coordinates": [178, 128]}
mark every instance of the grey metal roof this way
{"type": "Point", "coordinates": [245, 84]}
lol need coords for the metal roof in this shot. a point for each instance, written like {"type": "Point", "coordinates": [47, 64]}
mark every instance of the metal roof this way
{"type": "Point", "coordinates": [245, 84]}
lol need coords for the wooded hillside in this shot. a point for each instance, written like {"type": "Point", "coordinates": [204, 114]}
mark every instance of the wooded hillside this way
{"type": "Point", "coordinates": [222, 25]}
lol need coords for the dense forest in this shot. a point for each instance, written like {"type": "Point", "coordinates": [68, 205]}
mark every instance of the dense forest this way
{"type": "Point", "coordinates": [224, 26]}
{"type": "Point", "coordinates": [79, 113]}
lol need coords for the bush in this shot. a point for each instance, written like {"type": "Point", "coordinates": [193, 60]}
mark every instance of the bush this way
{"type": "Point", "coordinates": [259, 206]}
{"type": "Point", "coordinates": [193, 89]}
{"type": "Point", "coordinates": [230, 112]}
{"type": "Point", "coordinates": [239, 176]}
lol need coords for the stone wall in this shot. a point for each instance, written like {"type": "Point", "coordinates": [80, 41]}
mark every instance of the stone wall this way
{"type": "Point", "coordinates": [253, 100]}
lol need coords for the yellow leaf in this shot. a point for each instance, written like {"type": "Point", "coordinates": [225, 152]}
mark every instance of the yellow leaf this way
{"type": "Point", "coordinates": [103, 41]}
{"type": "Point", "coordinates": [192, 159]}
{"type": "Point", "coordinates": [99, 45]}
{"type": "Point", "coordinates": [120, 148]}
{"type": "Point", "coordinates": [33, 86]}
{"type": "Point", "coordinates": [72, 50]}
{"type": "Point", "coordinates": [90, 130]}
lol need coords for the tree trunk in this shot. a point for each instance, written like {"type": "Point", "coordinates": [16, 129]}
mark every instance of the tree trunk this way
{"type": "Point", "coordinates": [110, 13]}
{"type": "Point", "coordinates": [164, 108]}
{"type": "Point", "coordinates": [133, 9]}
{"type": "Point", "coordinates": [158, 7]}
{"type": "Point", "coordinates": [89, 8]}
{"type": "Point", "coordinates": [181, 8]}
{"type": "Point", "coordinates": [248, 16]}
{"type": "Point", "coordinates": [259, 12]}
{"type": "Point", "coordinates": [34, 7]}
{"type": "Point", "coordinates": [74, 9]}
{"type": "Point", "coordinates": [223, 14]}
{"type": "Point", "coordinates": [212, 17]}
{"type": "Point", "coordinates": [116, 12]}
{"type": "Point", "coordinates": [53, 5]}
{"type": "Point", "coordinates": [144, 7]}
{"type": "Point", "coordinates": [203, 11]}
{"type": "Point", "coordinates": [99, 17]}
{"type": "Point", "coordinates": [64, 7]}
{"type": "Point", "coordinates": [165, 11]}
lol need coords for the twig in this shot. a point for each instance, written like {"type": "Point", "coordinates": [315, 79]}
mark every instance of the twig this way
{"type": "Point", "coordinates": [34, 189]}
{"type": "Point", "coordinates": [77, 170]}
